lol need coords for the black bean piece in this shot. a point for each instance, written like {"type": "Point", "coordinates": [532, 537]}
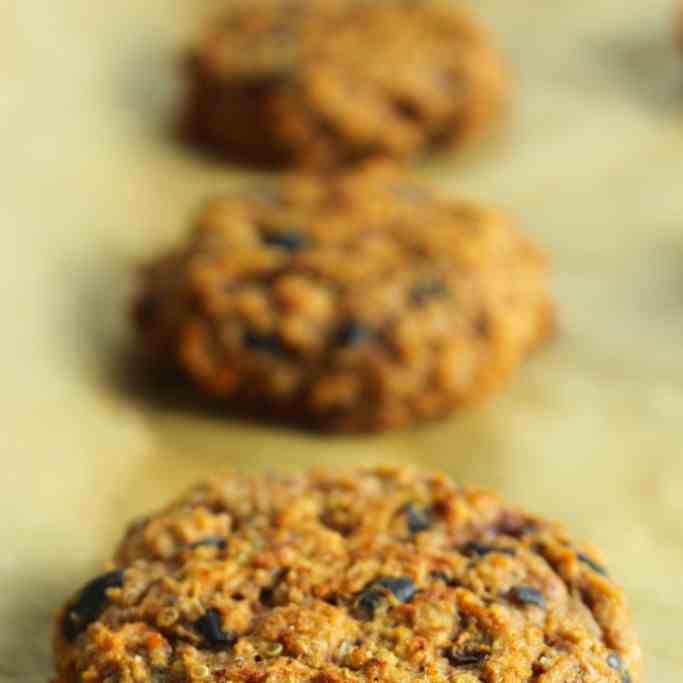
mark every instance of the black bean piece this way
{"type": "Point", "coordinates": [467, 658]}
{"type": "Point", "coordinates": [438, 575]}
{"type": "Point", "coordinates": [211, 541]}
{"type": "Point", "coordinates": [267, 593]}
{"type": "Point", "coordinates": [351, 334]}
{"type": "Point", "coordinates": [368, 601]}
{"type": "Point", "coordinates": [419, 519]}
{"type": "Point", "coordinates": [402, 588]}
{"type": "Point", "coordinates": [332, 599]}
{"type": "Point", "coordinates": [209, 626]}
{"type": "Point", "coordinates": [597, 568]}
{"type": "Point", "coordinates": [477, 549]}
{"type": "Point", "coordinates": [423, 292]}
{"type": "Point", "coordinates": [91, 602]}
{"type": "Point", "coordinates": [614, 662]}
{"type": "Point", "coordinates": [525, 595]}
{"type": "Point", "coordinates": [267, 596]}
{"type": "Point", "coordinates": [259, 342]}
{"type": "Point", "coordinates": [291, 240]}
{"type": "Point", "coordinates": [514, 525]}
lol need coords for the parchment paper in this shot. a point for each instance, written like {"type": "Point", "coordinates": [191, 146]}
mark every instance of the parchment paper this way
{"type": "Point", "coordinates": [93, 182]}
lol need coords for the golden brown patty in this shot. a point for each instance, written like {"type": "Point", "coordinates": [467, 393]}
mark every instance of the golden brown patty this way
{"type": "Point", "coordinates": [329, 82]}
{"type": "Point", "coordinates": [371, 575]}
{"type": "Point", "coordinates": [361, 302]}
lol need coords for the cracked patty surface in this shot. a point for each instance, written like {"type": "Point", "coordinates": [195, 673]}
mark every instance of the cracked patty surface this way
{"type": "Point", "coordinates": [329, 82]}
{"type": "Point", "coordinates": [364, 301]}
{"type": "Point", "coordinates": [322, 577]}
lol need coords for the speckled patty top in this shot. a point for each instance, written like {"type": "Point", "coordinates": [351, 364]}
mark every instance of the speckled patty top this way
{"type": "Point", "coordinates": [329, 82]}
{"type": "Point", "coordinates": [369, 575]}
{"type": "Point", "coordinates": [360, 302]}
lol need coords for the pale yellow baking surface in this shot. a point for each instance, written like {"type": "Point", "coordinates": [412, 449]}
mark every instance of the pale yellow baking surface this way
{"type": "Point", "coordinates": [92, 182]}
